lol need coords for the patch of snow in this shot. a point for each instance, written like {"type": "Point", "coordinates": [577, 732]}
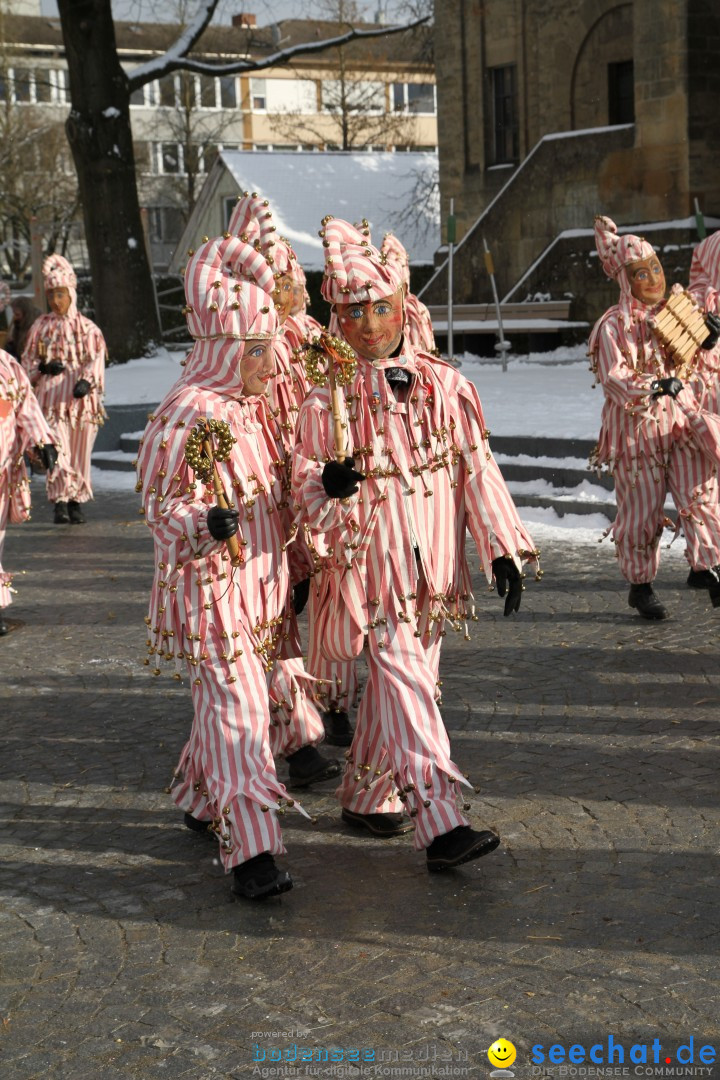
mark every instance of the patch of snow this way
{"type": "Point", "coordinates": [143, 381]}
{"type": "Point", "coordinates": [111, 112]}
{"type": "Point", "coordinates": [113, 480]}
{"type": "Point", "coordinates": [132, 243]}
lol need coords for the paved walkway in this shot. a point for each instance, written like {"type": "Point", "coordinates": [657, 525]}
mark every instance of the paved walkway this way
{"type": "Point", "coordinates": [592, 735]}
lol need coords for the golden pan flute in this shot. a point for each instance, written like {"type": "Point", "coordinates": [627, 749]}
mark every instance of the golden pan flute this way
{"type": "Point", "coordinates": [680, 327]}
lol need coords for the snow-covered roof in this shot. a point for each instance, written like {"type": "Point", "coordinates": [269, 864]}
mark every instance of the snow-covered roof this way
{"type": "Point", "coordinates": [304, 186]}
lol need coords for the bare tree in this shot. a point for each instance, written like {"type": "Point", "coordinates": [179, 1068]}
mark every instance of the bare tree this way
{"type": "Point", "coordinates": [37, 179]}
{"type": "Point", "coordinates": [99, 133]}
{"type": "Point", "coordinates": [356, 112]}
{"type": "Point", "coordinates": [421, 211]}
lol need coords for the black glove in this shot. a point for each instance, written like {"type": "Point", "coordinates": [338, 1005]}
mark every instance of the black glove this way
{"type": "Point", "coordinates": [713, 324]}
{"type": "Point", "coordinates": [340, 479]}
{"type": "Point", "coordinates": [48, 454]}
{"type": "Point", "coordinates": [671, 387]}
{"type": "Point", "coordinates": [508, 579]}
{"type": "Point", "coordinates": [222, 524]}
{"type": "Point", "coordinates": [301, 592]}
{"type": "Point", "coordinates": [51, 367]}
{"type": "Point", "coordinates": [81, 388]}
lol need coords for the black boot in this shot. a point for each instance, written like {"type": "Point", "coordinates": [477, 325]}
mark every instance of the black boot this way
{"type": "Point", "coordinates": [338, 731]}
{"type": "Point", "coordinates": [61, 515]}
{"type": "Point", "coordinates": [701, 579]}
{"type": "Point", "coordinates": [459, 846]}
{"type": "Point", "coordinates": [75, 513]}
{"type": "Point", "coordinates": [707, 579]}
{"type": "Point", "coordinates": [383, 825]}
{"type": "Point", "coordinates": [198, 825]}
{"type": "Point", "coordinates": [259, 878]}
{"type": "Point", "coordinates": [308, 766]}
{"type": "Point", "coordinates": [644, 599]}
{"type": "Point", "coordinates": [4, 628]}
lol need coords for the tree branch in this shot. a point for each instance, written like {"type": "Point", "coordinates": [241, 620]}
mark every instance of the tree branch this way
{"type": "Point", "coordinates": [173, 60]}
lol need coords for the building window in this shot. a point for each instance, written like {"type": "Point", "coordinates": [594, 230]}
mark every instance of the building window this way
{"type": "Point", "coordinates": [416, 98]}
{"type": "Point", "coordinates": [28, 86]}
{"type": "Point", "coordinates": [228, 92]}
{"type": "Point", "coordinates": [504, 146]}
{"type": "Point", "coordinates": [258, 95]}
{"type": "Point", "coordinates": [168, 159]}
{"type": "Point", "coordinates": [166, 92]}
{"type": "Point", "coordinates": [621, 93]}
{"type": "Point", "coordinates": [22, 85]}
{"type": "Point", "coordinates": [355, 96]}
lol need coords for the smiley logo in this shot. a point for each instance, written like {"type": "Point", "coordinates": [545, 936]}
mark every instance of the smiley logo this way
{"type": "Point", "coordinates": [502, 1053]}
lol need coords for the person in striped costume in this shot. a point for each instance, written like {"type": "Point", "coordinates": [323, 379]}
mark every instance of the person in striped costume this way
{"type": "Point", "coordinates": [418, 324]}
{"type": "Point", "coordinates": [22, 426]}
{"type": "Point", "coordinates": [65, 358]}
{"type": "Point", "coordinates": [391, 519]}
{"type": "Point", "coordinates": [252, 219]}
{"type": "Point", "coordinates": [226, 621]}
{"type": "Point", "coordinates": [648, 425]}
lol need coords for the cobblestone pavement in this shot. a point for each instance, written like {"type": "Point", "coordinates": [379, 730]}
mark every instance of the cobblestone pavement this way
{"type": "Point", "coordinates": [592, 735]}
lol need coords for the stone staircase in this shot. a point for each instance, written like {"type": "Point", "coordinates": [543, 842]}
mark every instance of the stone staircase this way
{"type": "Point", "coordinates": [544, 472]}
{"type": "Point", "coordinates": [553, 473]}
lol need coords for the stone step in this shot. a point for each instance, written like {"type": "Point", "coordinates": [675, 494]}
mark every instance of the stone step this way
{"type": "Point", "coordinates": [120, 460]}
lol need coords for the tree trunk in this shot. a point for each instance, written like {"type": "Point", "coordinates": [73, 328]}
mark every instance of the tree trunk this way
{"type": "Point", "coordinates": [100, 137]}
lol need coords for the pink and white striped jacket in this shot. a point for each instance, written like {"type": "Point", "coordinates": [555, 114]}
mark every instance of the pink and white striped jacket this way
{"type": "Point", "coordinates": [447, 481]}
{"type": "Point", "coordinates": [705, 273]}
{"type": "Point", "coordinates": [626, 357]}
{"type": "Point", "coordinates": [197, 593]}
{"type": "Point", "coordinates": [79, 343]}
{"type": "Point", "coordinates": [22, 424]}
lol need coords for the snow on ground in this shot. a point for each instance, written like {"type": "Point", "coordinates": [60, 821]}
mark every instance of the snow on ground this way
{"type": "Point", "coordinates": [146, 380]}
{"type": "Point", "coordinates": [547, 394]}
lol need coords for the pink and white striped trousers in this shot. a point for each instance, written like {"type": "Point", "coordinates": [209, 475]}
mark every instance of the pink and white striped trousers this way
{"type": "Point", "coordinates": [641, 487]}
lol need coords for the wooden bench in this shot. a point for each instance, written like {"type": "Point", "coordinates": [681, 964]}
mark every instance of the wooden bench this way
{"type": "Point", "coordinates": [544, 316]}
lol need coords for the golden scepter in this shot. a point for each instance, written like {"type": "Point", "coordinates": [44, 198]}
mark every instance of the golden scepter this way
{"type": "Point", "coordinates": [329, 360]}
{"type": "Point", "coordinates": [202, 457]}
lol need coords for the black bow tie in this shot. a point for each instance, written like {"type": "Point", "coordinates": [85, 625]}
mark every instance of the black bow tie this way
{"type": "Point", "coordinates": [397, 376]}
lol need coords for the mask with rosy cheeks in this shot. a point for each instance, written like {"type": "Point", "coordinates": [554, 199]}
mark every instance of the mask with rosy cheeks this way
{"type": "Point", "coordinates": [298, 300]}
{"type": "Point", "coordinates": [283, 296]}
{"type": "Point", "coordinates": [647, 280]}
{"type": "Point", "coordinates": [373, 329]}
{"type": "Point", "coordinates": [58, 300]}
{"type": "Point", "coordinates": [257, 367]}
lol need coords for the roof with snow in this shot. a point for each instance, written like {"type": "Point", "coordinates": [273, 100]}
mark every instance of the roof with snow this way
{"type": "Point", "coordinates": [303, 186]}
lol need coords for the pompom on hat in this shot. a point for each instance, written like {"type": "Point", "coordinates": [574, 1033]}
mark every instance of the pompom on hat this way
{"type": "Point", "coordinates": [617, 251]}
{"type": "Point", "coordinates": [220, 304]}
{"type": "Point", "coordinates": [396, 253]}
{"type": "Point", "coordinates": [355, 271]}
{"type": "Point", "coordinates": [58, 273]}
{"type": "Point", "coordinates": [252, 220]}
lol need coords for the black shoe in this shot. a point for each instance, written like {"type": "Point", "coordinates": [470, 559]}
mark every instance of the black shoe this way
{"type": "Point", "coordinates": [197, 825]}
{"type": "Point", "coordinates": [459, 846]}
{"type": "Point", "coordinates": [384, 825]}
{"type": "Point", "coordinates": [644, 599]}
{"type": "Point", "coordinates": [4, 628]}
{"type": "Point", "coordinates": [701, 579]}
{"type": "Point", "coordinates": [707, 579]}
{"type": "Point", "coordinates": [308, 766]}
{"type": "Point", "coordinates": [259, 878]}
{"type": "Point", "coordinates": [75, 513]}
{"type": "Point", "coordinates": [61, 515]}
{"type": "Point", "coordinates": [338, 731]}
